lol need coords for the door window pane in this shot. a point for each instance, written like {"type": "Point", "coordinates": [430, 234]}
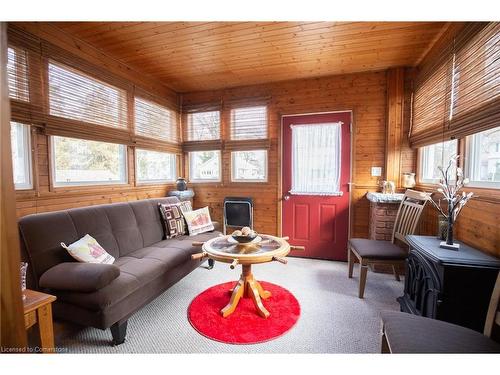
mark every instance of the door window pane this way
{"type": "Point", "coordinates": [249, 166]}
{"type": "Point", "coordinates": [316, 159]}
{"type": "Point", "coordinates": [154, 166]}
{"type": "Point", "coordinates": [204, 166]}
{"type": "Point", "coordinates": [21, 155]}
{"type": "Point", "coordinates": [434, 156]}
{"type": "Point", "coordinates": [83, 162]}
{"type": "Point", "coordinates": [483, 158]}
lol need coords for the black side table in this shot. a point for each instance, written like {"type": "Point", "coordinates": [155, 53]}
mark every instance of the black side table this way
{"type": "Point", "coordinates": [454, 286]}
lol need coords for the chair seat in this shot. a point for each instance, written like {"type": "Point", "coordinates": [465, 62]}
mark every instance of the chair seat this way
{"type": "Point", "coordinates": [377, 249]}
{"type": "Point", "coordinates": [407, 333]}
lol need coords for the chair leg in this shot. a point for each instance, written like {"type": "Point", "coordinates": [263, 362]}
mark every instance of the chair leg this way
{"type": "Point", "coordinates": [363, 270]}
{"type": "Point", "coordinates": [396, 274]}
{"type": "Point", "coordinates": [350, 261]}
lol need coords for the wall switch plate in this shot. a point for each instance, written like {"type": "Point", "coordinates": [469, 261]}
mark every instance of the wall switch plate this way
{"type": "Point", "coordinates": [376, 171]}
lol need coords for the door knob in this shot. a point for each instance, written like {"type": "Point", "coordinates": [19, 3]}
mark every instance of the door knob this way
{"type": "Point", "coordinates": [286, 197]}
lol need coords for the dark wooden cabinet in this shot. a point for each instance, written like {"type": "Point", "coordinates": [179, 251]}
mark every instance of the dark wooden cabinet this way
{"type": "Point", "coordinates": [454, 286]}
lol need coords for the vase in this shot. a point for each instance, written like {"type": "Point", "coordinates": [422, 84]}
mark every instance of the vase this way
{"type": "Point", "coordinates": [181, 184]}
{"type": "Point", "coordinates": [409, 180]}
{"type": "Point", "coordinates": [449, 244]}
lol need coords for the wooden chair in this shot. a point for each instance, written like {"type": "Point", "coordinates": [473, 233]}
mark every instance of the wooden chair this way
{"type": "Point", "coordinates": [407, 333]}
{"type": "Point", "coordinates": [374, 252]}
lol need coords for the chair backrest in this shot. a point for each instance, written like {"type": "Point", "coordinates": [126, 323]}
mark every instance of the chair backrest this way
{"type": "Point", "coordinates": [409, 212]}
{"type": "Point", "coordinates": [493, 316]}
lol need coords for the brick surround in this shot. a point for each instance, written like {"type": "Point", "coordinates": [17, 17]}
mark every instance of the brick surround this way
{"type": "Point", "coordinates": [382, 217]}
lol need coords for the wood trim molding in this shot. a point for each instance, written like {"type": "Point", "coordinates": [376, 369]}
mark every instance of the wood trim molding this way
{"type": "Point", "coordinates": [394, 129]}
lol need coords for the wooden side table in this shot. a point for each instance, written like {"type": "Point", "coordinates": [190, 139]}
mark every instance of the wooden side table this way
{"type": "Point", "coordinates": [38, 309]}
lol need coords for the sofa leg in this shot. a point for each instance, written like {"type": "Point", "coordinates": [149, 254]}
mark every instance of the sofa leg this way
{"type": "Point", "coordinates": [211, 263]}
{"type": "Point", "coordinates": [119, 331]}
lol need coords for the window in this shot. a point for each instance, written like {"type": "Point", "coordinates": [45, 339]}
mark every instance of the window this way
{"type": "Point", "coordinates": [249, 166]}
{"type": "Point", "coordinates": [21, 155]}
{"type": "Point", "coordinates": [83, 162]}
{"type": "Point", "coordinates": [316, 153]}
{"type": "Point", "coordinates": [249, 123]}
{"type": "Point", "coordinates": [204, 166]}
{"type": "Point", "coordinates": [17, 74]}
{"type": "Point", "coordinates": [203, 126]}
{"type": "Point", "coordinates": [154, 166]}
{"type": "Point", "coordinates": [434, 156]}
{"type": "Point", "coordinates": [74, 95]}
{"type": "Point", "coordinates": [154, 121]}
{"type": "Point", "coordinates": [483, 158]}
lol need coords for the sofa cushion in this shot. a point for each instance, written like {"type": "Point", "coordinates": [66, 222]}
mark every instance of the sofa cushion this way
{"type": "Point", "coordinates": [377, 249]}
{"type": "Point", "coordinates": [408, 333]}
{"type": "Point", "coordinates": [149, 220]}
{"type": "Point", "coordinates": [170, 257]}
{"type": "Point", "coordinates": [80, 277]}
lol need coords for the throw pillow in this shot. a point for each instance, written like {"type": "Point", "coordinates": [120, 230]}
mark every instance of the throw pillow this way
{"type": "Point", "coordinates": [88, 250]}
{"type": "Point", "coordinates": [198, 221]}
{"type": "Point", "coordinates": [172, 217]}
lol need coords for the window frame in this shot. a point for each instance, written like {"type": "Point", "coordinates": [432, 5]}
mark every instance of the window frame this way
{"type": "Point", "coordinates": [65, 185]}
{"type": "Point", "coordinates": [155, 182]}
{"type": "Point", "coordinates": [244, 181]}
{"type": "Point", "coordinates": [421, 163]}
{"type": "Point", "coordinates": [471, 153]}
{"type": "Point", "coordinates": [204, 181]}
{"type": "Point", "coordinates": [28, 162]}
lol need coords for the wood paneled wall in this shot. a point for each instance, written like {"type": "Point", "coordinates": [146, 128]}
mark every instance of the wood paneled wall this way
{"type": "Point", "coordinates": [364, 94]}
{"type": "Point", "coordinates": [44, 198]}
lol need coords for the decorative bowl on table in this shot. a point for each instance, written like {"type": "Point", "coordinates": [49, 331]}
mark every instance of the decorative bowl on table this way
{"type": "Point", "coordinates": [245, 235]}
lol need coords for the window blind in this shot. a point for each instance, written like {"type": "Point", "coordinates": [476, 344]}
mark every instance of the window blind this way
{"type": "Point", "coordinates": [155, 121]}
{"type": "Point", "coordinates": [77, 96]}
{"type": "Point", "coordinates": [475, 95]}
{"type": "Point", "coordinates": [17, 74]}
{"type": "Point", "coordinates": [456, 92]}
{"type": "Point", "coordinates": [249, 123]}
{"type": "Point", "coordinates": [203, 126]}
{"type": "Point", "coordinates": [430, 95]}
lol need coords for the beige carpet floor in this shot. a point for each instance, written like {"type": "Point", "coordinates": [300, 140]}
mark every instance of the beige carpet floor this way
{"type": "Point", "coordinates": [333, 319]}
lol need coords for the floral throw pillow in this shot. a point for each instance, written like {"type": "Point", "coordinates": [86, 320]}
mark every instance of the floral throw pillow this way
{"type": "Point", "coordinates": [198, 221]}
{"type": "Point", "coordinates": [88, 250]}
{"type": "Point", "coordinates": [173, 219]}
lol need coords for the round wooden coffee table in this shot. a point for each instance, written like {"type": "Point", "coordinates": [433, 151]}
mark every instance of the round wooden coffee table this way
{"type": "Point", "coordinates": [264, 248]}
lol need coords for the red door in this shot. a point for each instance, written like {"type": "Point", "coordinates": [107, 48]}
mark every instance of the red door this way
{"type": "Point", "coordinates": [316, 173]}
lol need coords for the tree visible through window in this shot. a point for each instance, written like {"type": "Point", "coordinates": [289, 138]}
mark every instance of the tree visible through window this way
{"type": "Point", "coordinates": [83, 162]}
{"type": "Point", "coordinates": [154, 166]}
{"type": "Point", "coordinates": [434, 156]}
{"type": "Point", "coordinates": [249, 165]}
{"type": "Point", "coordinates": [203, 126]}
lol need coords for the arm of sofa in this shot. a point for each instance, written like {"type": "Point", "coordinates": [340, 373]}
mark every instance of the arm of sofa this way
{"type": "Point", "coordinates": [217, 226]}
{"type": "Point", "coordinates": [79, 277]}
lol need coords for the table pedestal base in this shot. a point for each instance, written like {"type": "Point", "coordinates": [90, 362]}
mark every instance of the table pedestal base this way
{"type": "Point", "coordinates": [247, 287]}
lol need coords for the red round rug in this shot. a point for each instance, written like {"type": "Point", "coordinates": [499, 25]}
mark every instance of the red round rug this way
{"type": "Point", "coordinates": [244, 325]}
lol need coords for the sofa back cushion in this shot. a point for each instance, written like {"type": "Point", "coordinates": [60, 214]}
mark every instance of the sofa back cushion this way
{"type": "Point", "coordinates": [120, 228]}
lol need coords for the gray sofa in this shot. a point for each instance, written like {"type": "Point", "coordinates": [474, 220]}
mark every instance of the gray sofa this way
{"type": "Point", "coordinates": [102, 295]}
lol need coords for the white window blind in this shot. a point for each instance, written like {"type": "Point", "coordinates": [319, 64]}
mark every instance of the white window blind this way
{"type": "Point", "coordinates": [17, 74]}
{"type": "Point", "coordinates": [153, 120]}
{"type": "Point", "coordinates": [316, 159]}
{"type": "Point", "coordinates": [249, 123]}
{"type": "Point", "coordinates": [21, 155]}
{"type": "Point", "coordinates": [77, 96]}
{"type": "Point", "coordinates": [203, 126]}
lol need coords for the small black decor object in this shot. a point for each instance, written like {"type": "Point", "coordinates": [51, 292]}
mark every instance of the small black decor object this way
{"type": "Point", "coordinates": [442, 227]}
{"type": "Point", "coordinates": [449, 188]}
{"type": "Point", "coordinates": [181, 184]}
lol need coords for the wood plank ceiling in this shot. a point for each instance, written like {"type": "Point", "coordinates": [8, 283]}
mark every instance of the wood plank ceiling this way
{"type": "Point", "coordinates": [194, 56]}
